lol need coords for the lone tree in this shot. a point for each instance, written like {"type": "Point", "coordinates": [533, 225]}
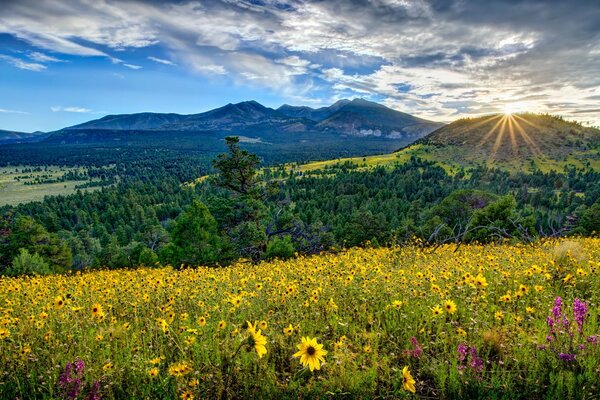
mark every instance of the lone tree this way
{"type": "Point", "coordinates": [237, 169]}
{"type": "Point", "coordinates": [244, 207]}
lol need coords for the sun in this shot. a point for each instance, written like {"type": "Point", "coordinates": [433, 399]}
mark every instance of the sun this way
{"type": "Point", "coordinates": [512, 108]}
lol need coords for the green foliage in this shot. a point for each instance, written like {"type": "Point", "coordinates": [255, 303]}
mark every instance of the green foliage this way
{"type": "Point", "coordinates": [364, 226]}
{"type": "Point", "coordinates": [280, 247]}
{"type": "Point", "coordinates": [237, 168]}
{"type": "Point", "coordinates": [499, 220]}
{"type": "Point", "coordinates": [28, 264]}
{"type": "Point", "coordinates": [589, 220]}
{"type": "Point", "coordinates": [194, 238]}
{"type": "Point", "coordinates": [341, 204]}
{"type": "Point", "coordinates": [26, 233]}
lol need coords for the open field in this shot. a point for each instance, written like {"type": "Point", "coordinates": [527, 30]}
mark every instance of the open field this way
{"type": "Point", "coordinates": [13, 191]}
{"type": "Point", "coordinates": [518, 321]}
{"type": "Point", "coordinates": [451, 158]}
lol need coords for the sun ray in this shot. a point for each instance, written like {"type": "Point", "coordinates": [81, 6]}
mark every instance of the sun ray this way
{"type": "Point", "coordinates": [528, 122]}
{"type": "Point", "coordinates": [491, 131]}
{"type": "Point", "coordinates": [530, 142]}
{"type": "Point", "coordinates": [485, 121]}
{"type": "Point", "coordinates": [498, 142]}
{"type": "Point", "coordinates": [513, 139]}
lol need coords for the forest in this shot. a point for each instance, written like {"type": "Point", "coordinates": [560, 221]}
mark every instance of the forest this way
{"type": "Point", "coordinates": [254, 209]}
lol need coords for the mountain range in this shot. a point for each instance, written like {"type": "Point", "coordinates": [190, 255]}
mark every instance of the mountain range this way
{"type": "Point", "coordinates": [20, 137]}
{"type": "Point", "coordinates": [346, 117]}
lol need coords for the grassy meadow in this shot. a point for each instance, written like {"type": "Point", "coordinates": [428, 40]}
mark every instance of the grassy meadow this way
{"type": "Point", "coordinates": [14, 190]}
{"type": "Point", "coordinates": [451, 158]}
{"type": "Point", "coordinates": [473, 322]}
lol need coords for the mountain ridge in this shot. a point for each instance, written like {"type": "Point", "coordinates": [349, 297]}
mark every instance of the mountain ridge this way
{"type": "Point", "coordinates": [356, 117]}
{"type": "Point", "coordinates": [7, 136]}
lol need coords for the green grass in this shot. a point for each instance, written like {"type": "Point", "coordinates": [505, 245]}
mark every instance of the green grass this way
{"type": "Point", "coordinates": [451, 158]}
{"type": "Point", "coordinates": [13, 192]}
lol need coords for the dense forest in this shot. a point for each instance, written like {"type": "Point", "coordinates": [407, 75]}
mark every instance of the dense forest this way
{"type": "Point", "coordinates": [151, 217]}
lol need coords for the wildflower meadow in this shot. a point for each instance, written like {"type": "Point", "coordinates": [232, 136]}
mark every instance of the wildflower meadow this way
{"type": "Point", "coordinates": [495, 321]}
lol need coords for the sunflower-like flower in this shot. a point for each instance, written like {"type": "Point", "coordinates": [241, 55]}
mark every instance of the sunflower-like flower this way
{"type": "Point", "coordinates": [311, 353]}
{"type": "Point", "coordinates": [450, 306]}
{"type": "Point", "coordinates": [408, 382]}
{"type": "Point", "coordinates": [289, 330]}
{"type": "Point", "coordinates": [97, 311]}
{"type": "Point", "coordinates": [256, 340]}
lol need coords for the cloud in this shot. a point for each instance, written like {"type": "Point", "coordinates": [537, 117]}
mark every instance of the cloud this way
{"type": "Point", "coordinates": [41, 57]}
{"type": "Point", "coordinates": [70, 109]}
{"type": "Point", "coordinates": [161, 61]}
{"type": "Point", "coordinates": [17, 62]}
{"type": "Point", "coordinates": [132, 66]}
{"type": "Point", "coordinates": [4, 110]}
{"type": "Point", "coordinates": [439, 59]}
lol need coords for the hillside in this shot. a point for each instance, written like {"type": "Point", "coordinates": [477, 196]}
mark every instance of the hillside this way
{"type": "Point", "coordinates": [19, 137]}
{"type": "Point", "coordinates": [139, 121]}
{"type": "Point", "coordinates": [506, 138]}
{"type": "Point", "coordinates": [364, 118]}
{"type": "Point", "coordinates": [373, 311]}
{"type": "Point", "coordinates": [517, 142]}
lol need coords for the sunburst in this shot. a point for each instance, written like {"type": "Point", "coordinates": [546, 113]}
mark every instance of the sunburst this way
{"type": "Point", "coordinates": [508, 127]}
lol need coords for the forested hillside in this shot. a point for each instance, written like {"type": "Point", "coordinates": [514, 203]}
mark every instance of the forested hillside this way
{"type": "Point", "coordinates": [280, 212]}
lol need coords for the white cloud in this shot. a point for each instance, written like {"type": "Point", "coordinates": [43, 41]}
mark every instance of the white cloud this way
{"type": "Point", "coordinates": [437, 59]}
{"type": "Point", "coordinates": [70, 109]}
{"type": "Point", "coordinates": [4, 110]}
{"type": "Point", "coordinates": [132, 66]}
{"type": "Point", "coordinates": [161, 61]}
{"type": "Point", "coordinates": [17, 62]}
{"type": "Point", "coordinates": [41, 57]}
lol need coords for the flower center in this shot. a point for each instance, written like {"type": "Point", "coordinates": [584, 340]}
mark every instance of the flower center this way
{"type": "Point", "coordinates": [311, 351]}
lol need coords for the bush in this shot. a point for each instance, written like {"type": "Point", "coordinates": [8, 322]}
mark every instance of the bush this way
{"type": "Point", "coordinates": [28, 264]}
{"type": "Point", "coordinates": [280, 247]}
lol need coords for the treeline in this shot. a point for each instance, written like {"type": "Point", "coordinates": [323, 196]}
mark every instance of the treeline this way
{"type": "Point", "coordinates": [156, 220]}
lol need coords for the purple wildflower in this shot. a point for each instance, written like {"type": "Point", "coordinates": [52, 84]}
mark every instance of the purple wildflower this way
{"type": "Point", "coordinates": [476, 361]}
{"type": "Point", "coordinates": [94, 393]}
{"type": "Point", "coordinates": [462, 352]}
{"type": "Point", "coordinates": [549, 338]}
{"type": "Point", "coordinates": [417, 349]}
{"type": "Point", "coordinates": [557, 309]}
{"type": "Point", "coordinates": [592, 339]}
{"type": "Point", "coordinates": [567, 357]}
{"type": "Point", "coordinates": [580, 311]}
{"type": "Point", "coordinates": [70, 380]}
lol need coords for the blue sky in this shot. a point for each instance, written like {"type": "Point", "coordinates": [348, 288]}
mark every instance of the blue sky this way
{"type": "Point", "coordinates": [66, 62]}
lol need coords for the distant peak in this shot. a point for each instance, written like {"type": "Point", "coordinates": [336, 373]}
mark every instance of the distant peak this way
{"type": "Point", "coordinates": [340, 103]}
{"type": "Point", "coordinates": [250, 103]}
{"type": "Point", "coordinates": [364, 102]}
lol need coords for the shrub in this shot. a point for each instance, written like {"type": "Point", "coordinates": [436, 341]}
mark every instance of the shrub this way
{"type": "Point", "coordinates": [28, 264]}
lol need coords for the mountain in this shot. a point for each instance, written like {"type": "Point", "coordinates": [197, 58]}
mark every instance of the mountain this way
{"type": "Point", "coordinates": [313, 114]}
{"type": "Point", "coordinates": [20, 137]}
{"type": "Point", "coordinates": [517, 140]}
{"type": "Point", "coordinates": [238, 116]}
{"type": "Point", "coordinates": [365, 118]}
{"type": "Point", "coordinates": [358, 118]}
{"type": "Point", "coordinates": [141, 121]}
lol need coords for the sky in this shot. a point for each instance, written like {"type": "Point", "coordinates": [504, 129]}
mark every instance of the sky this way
{"type": "Point", "coordinates": [69, 61]}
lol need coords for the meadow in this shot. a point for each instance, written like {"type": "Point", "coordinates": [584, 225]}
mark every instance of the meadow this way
{"type": "Point", "coordinates": [495, 321]}
{"type": "Point", "coordinates": [452, 158]}
{"type": "Point", "coordinates": [15, 187]}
